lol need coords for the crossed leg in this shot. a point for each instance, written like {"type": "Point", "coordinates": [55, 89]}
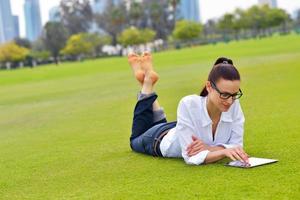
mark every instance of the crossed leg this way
{"type": "Point", "coordinates": [147, 112]}
{"type": "Point", "coordinates": [143, 71]}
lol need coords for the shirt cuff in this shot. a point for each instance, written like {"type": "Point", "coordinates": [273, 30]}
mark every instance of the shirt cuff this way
{"type": "Point", "coordinates": [198, 158]}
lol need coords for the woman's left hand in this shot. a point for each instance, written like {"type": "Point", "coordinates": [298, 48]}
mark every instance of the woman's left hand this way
{"type": "Point", "coordinates": [196, 146]}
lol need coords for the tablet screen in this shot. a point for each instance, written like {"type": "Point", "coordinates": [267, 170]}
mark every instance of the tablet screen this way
{"type": "Point", "coordinates": [253, 162]}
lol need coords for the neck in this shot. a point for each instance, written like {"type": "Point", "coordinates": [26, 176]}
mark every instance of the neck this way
{"type": "Point", "coordinates": [213, 112]}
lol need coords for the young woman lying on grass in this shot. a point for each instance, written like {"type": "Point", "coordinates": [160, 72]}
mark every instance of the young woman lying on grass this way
{"type": "Point", "coordinates": [209, 127]}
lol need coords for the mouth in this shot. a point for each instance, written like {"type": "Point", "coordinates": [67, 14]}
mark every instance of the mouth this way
{"type": "Point", "coordinates": [226, 106]}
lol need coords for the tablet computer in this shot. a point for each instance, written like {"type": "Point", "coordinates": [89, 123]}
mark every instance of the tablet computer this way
{"type": "Point", "coordinates": [253, 162]}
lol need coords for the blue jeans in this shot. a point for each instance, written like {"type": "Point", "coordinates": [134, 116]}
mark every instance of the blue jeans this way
{"type": "Point", "coordinates": [145, 137]}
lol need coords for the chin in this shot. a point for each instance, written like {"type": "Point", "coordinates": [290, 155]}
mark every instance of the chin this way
{"type": "Point", "coordinates": [224, 108]}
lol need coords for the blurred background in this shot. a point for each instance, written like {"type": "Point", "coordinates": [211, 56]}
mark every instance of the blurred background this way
{"type": "Point", "coordinates": [37, 32]}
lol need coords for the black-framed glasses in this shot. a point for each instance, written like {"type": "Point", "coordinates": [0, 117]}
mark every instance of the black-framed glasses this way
{"type": "Point", "coordinates": [226, 95]}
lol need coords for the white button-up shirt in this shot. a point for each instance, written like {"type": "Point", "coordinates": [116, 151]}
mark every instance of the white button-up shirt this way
{"type": "Point", "coordinates": [193, 119]}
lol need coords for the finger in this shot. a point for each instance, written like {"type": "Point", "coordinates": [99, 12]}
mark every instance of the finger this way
{"type": "Point", "coordinates": [231, 157]}
{"type": "Point", "coordinates": [194, 153]}
{"type": "Point", "coordinates": [237, 156]}
{"type": "Point", "coordinates": [190, 150]}
{"type": "Point", "coordinates": [195, 145]}
{"type": "Point", "coordinates": [243, 155]}
{"type": "Point", "coordinates": [196, 150]}
{"type": "Point", "coordinates": [198, 146]}
{"type": "Point", "coordinates": [191, 145]}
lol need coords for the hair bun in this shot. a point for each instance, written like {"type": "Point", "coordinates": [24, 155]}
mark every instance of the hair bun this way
{"type": "Point", "coordinates": [223, 60]}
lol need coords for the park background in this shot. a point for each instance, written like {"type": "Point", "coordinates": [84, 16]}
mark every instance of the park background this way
{"type": "Point", "coordinates": [66, 104]}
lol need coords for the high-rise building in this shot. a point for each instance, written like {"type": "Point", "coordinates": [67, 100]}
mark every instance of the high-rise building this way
{"type": "Point", "coordinates": [7, 31]}
{"type": "Point", "coordinates": [189, 10]}
{"type": "Point", "coordinates": [54, 14]}
{"type": "Point", "coordinates": [16, 26]}
{"type": "Point", "coordinates": [270, 3]}
{"type": "Point", "coordinates": [2, 38]}
{"type": "Point", "coordinates": [32, 19]}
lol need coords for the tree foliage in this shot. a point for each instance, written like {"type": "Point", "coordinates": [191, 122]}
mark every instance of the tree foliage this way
{"type": "Point", "coordinates": [134, 36]}
{"type": "Point", "coordinates": [187, 30]}
{"type": "Point", "coordinates": [11, 52]}
{"type": "Point", "coordinates": [77, 45]}
{"type": "Point", "coordinates": [112, 20]}
{"type": "Point", "coordinates": [54, 38]}
{"type": "Point", "coordinates": [76, 15]}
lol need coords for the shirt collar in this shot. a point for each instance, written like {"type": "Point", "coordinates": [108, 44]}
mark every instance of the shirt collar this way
{"type": "Point", "coordinates": [225, 116]}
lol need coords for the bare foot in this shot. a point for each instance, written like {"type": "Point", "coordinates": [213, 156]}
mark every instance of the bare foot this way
{"type": "Point", "coordinates": [135, 63]}
{"type": "Point", "coordinates": [147, 66]}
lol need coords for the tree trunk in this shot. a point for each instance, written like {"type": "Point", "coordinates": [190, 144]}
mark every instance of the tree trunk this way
{"type": "Point", "coordinates": [56, 60]}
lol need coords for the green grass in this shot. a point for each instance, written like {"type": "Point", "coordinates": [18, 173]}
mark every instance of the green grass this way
{"type": "Point", "coordinates": [64, 130]}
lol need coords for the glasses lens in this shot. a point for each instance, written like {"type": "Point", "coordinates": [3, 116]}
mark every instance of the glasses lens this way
{"type": "Point", "coordinates": [238, 95]}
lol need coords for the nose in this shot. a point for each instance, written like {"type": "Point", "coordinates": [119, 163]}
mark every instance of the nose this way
{"type": "Point", "coordinates": [229, 100]}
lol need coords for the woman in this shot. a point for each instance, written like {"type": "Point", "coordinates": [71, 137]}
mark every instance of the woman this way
{"type": "Point", "coordinates": [209, 127]}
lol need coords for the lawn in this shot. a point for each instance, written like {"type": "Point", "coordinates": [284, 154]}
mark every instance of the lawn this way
{"type": "Point", "coordinates": [64, 130]}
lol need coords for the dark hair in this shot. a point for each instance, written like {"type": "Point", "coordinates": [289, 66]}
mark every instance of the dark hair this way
{"type": "Point", "coordinates": [223, 68]}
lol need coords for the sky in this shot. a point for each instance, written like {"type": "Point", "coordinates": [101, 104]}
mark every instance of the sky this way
{"type": "Point", "coordinates": [208, 8]}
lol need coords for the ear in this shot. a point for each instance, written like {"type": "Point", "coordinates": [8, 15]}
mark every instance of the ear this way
{"type": "Point", "coordinates": [208, 86]}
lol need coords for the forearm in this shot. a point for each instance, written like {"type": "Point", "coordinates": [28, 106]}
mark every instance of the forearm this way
{"type": "Point", "coordinates": [215, 148]}
{"type": "Point", "coordinates": [214, 156]}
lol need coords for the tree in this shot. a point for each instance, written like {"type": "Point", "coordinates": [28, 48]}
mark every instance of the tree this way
{"type": "Point", "coordinates": [187, 30]}
{"type": "Point", "coordinates": [278, 17]}
{"type": "Point", "coordinates": [97, 41]}
{"type": "Point", "coordinates": [23, 42]}
{"type": "Point", "coordinates": [77, 46]}
{"type": "Point", "coordinates": [134, 36]}
{"type": "Point", "coordinates": [226, 24]}
{"type": "Point", "coordinates": [40, 55]}
{"type": "Point", "coordinates": [297, 21]}
{"type": "Point", "coordinates": [160, 17]}
{"type": "Point", "coordinates": [210, 29]}
{"type": "Point", "coordinates": [76, 15]}
{"type": "Point", "coordinates": [11, 52]}
{"type": "Point", "coordinates": [174, 4]}
{"type": "Point", "coordinates": [136, 14]}
{"type": "Point", "coordinates": [38, 52]}
{"type": "Point", "coordinates": [54, 38]}
{"type": "Point", "coordinates": [112, 20]}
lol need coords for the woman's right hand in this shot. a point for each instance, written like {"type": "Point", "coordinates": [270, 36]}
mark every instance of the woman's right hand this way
{"type": "Point", "coordinates": [236, 153]}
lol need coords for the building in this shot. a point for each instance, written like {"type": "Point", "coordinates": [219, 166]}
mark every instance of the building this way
{"type": "Point", "coordinates": [189, 10]}
{"type": "Point", "coordinates": [270, 3]}
{"type": "Point", "coordinates": [16, 26]}
{"type": "Point", "coordinates": [33, 22]}
{"type": "Point", "coordinates": [2, 37]}
{"type": "Point", "coordinates": [7, 30]}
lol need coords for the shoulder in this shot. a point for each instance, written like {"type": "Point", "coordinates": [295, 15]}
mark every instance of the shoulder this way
{"type": "Point", "coordinates": [192, 103]}
{"type": "Point", "coordinates": [192, 100]}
